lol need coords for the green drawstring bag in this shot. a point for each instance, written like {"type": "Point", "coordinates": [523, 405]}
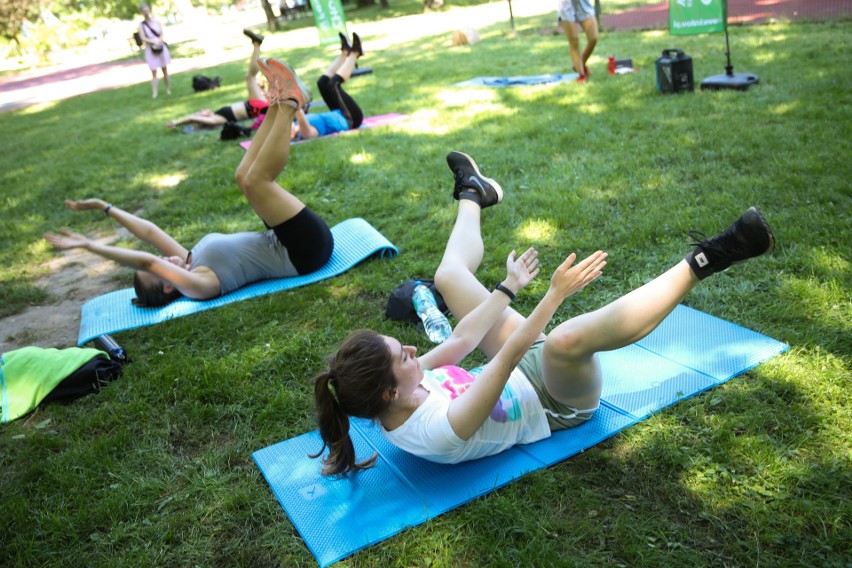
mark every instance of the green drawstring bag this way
{"type": "Point", "coordinates": [32, 375]}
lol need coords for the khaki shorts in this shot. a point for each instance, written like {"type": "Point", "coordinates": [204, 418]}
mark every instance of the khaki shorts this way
{"type": "Point", "coordinates": [559, 416]}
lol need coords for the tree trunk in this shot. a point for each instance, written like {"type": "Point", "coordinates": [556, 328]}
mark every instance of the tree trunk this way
{"type": "Point", "coordinates": [385, 4]}
{"type": "Point", "coordinates": [271, 19]}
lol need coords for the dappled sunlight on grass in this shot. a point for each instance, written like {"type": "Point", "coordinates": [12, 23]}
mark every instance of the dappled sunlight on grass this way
{"type": "Point", "coordinates": [362, 158]}
{"type": "Point", "coordinates": [784, 108]}
{"type": "Point", "coordinates": [166, 181]}
{"type": "Point", "coordinates": [466, 97]}
{"type": "Point", "coordinates": [537, 231]}
{"type": "Point", "coordinates": [435, 121]}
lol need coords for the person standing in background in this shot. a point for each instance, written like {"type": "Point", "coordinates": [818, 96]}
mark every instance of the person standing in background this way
{"type": "Point", "coordinates": [574, 13]}
{"type": "Point", "coordinates": [157, 54]}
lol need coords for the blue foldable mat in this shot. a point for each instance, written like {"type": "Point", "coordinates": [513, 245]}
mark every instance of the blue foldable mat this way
{"type": "Point", "coordinates": [519, 81]}
{"type": "Point", "coordinates": [688, 353]}
{"type": "Point", "coordinates": [355, 240]}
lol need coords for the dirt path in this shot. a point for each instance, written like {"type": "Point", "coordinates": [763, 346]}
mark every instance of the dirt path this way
{"type": "Point", "coordinates": [74, 278]}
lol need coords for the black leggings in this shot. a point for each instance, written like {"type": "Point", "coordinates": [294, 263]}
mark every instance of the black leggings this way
{"type": "Point", "coordinates": [337, 99]}
{"type": "Point", "coordinates": [308, 240]}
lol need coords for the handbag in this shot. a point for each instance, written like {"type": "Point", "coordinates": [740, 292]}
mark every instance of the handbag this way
{"type": "Point", "coordinates": [159, 49]}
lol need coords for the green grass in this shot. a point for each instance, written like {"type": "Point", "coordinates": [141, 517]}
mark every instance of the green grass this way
{"type": "Point", "coordinates": [156, 470]}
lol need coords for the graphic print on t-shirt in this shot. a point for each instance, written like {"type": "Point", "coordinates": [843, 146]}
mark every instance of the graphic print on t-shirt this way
{"type": "Point", "coordinates": [456, 380]}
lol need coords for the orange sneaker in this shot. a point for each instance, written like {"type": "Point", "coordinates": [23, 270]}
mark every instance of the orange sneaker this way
{"type": "Point", "coordinates": [284, 84]}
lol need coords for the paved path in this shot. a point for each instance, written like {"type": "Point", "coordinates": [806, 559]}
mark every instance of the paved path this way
{"type": "Point", "coordinates": [739, 12]}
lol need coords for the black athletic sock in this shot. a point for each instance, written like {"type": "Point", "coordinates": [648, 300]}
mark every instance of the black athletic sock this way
{"type": "Point", "coordinates": [471, 195]}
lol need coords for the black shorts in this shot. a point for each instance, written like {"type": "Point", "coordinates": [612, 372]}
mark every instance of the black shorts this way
{"type": "Point", "coordinates": [308, 240]}
{"type": "Point", "coordinates": [226, 113]}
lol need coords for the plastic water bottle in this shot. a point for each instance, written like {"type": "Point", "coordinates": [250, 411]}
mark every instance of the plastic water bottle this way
{"type": "Point", "coordinates": [435, 323]}
{"type": "Point", "coordinates": [108, 345]}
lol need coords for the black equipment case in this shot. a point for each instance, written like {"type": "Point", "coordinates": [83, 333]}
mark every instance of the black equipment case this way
{"type": "Point", "coordinates": [674, 72]}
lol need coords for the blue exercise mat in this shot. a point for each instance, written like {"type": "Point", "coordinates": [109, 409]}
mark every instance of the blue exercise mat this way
{"type": "Point", "coordinates": [519, 81]}
{"type": "Point", "coordinates": [354, 240]}
{"type": "Point", "coordinates": [688, 353]}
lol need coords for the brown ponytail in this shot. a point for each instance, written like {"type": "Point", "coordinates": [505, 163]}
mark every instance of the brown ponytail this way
{"type": "Point", "coordinates": [358, 376]}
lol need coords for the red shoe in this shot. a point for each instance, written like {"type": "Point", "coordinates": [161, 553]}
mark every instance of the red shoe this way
{"type": "Point", "coordinates": [586, 71]}
{"type": "Point", "coordinates": [581, 79]}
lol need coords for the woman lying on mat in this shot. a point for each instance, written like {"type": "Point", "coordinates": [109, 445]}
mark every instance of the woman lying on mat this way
{"type": "Point", "coordinates": [344, 113]}
{"type": "Point", "coordinates": [534, 383]}
{"type": "Point", "coordinates": [296, 241]}
{"type": "Point", "coordinates": [255, 106]}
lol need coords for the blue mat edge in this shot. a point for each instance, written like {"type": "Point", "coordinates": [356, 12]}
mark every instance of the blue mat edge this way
{"type": "Point", "coordinates": [384, 251]}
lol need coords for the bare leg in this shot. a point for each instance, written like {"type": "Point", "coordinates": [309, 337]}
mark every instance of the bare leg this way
{"type": "Point", "coordinates": [590, 27]}
{"type": "Point", "coordinates": [456, 280]}
{"type": "Point", "coordinates": [570, 367]}
{"type": "Point", "coordinates": [573, 36]}
{"type": "Point", "coordinates": [155, 84]}
{"type": "Point", "coordinates": [205, 118]}
{"type": "Point", "coordinates": [343, 65]}
{"type": "Point", "coordinates": [252, 86]}
{"type": "Point", "coordinates": [263, 162]}
{"type": "Point", "coordinates": [167, 81]}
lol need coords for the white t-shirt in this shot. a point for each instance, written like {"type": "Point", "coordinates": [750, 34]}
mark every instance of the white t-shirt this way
{"type": "Point", "coordinates": [518, 418]}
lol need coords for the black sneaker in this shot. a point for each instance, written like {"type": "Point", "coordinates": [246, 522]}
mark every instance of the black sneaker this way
{"type": "Point", "coordinates": [748, 237]}
{"type": "Point", "coordinates": [255, 38]}
{"type": "Point", "coordinates": [470, 180]}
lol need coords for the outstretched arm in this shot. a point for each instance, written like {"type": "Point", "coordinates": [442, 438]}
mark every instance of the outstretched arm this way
{"type": "Point", "coordinates": [470, 410]}
{"type": "Point", "coordinates": [472, 328]}
{"type": "Point", "coordinates": [141, 228]}
{"type": "Point", "coordinates": [198, 286]}
{"type": "Point", "coordinates": [303, 127]}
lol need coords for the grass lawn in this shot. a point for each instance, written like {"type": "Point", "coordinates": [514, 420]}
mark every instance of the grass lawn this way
{"type": "Point", "coordinates": [155, 470]}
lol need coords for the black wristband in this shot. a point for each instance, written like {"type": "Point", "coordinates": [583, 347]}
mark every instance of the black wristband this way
{"type": "Point", "coordinates": [106, 209]}
{"type": "Point", "coordinates": [505, 291]}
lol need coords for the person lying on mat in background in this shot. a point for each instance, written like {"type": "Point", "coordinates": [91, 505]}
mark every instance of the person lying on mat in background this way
{"type": "Point", "coordinates": [254, 107]}
{"type": "Point", "coordinates": [533, 383]}
{"type": "Point", "coordinates": [297, 240]}
{"type": "Point", "coordinates": [344, 113]}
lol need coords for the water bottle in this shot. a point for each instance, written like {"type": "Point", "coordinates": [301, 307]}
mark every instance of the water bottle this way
{"type": "Point", "coordinates": [434, 322]}
{"type": "Point", "coordinates": [108, 345]}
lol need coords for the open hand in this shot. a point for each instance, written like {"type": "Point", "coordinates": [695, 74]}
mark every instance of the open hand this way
{"type": "Point", "coordinates": [85, 204]}
{"type": "Point", "coordinates": [520, 272]}
{"type": "Point", "coordinates": [568, 279]}
{"type": "Point", "coordinates": [67, 240]}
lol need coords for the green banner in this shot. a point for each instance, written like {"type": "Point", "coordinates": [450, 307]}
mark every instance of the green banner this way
{"type": "Point", "coordinates": [687, 17]}
{"type": "Point", "coordinates": [328, 14]}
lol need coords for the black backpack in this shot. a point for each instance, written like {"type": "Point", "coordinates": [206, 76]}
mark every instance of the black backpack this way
{"type": "Point", "coordinates": [401, 308]}
{"type": "Point", "coordinates": [232, 131]}
{"type": "Point", "coordinates": [202, 83]}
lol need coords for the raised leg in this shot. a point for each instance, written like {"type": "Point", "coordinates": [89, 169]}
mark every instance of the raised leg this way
{"type": "Point", "coordinates": [252, 86]}
{"type": "Point", "coordinates": [331, 89]}
{"type": "Point", "coordinates": [570, 366]}
{"type": "Point", "coordinates": [456, 275]}
{"type": "Point", "coordinates": [263, 162]}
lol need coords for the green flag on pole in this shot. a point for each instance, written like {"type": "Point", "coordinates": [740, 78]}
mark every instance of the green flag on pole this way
{"type": "Point", "coordinates": [688, 17]}
{"type": "Point", "coordinates": [329, 17]}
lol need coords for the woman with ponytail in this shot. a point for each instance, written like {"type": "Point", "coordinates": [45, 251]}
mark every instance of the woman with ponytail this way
{"type": "Point", "coordinates": [533, 383]}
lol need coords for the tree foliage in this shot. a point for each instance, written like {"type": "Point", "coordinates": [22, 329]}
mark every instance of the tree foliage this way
{"type": "Point", "coordinates": [12, 14]}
